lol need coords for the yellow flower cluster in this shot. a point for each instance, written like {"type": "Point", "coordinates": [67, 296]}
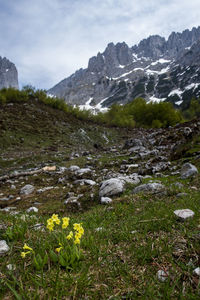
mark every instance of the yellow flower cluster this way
{"type": "Point", "coordinates": [79, 231]}
{"type": "Point", "coordinates": [26, 247]}
{"type": "Point", "coordinates": [65, 222]}
{"type": "Point", "coordinates": [52, 221]}
{"type": "Point", "coordinates": [75, 236]}
{"type": "Point", "coordinates": [55, 220]}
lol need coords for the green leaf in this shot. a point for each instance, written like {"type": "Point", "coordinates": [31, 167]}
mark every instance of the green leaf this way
{"type": "Point", "coordinates": [53, 256]}
{"type": "Point", "coordinates": [18, 297]}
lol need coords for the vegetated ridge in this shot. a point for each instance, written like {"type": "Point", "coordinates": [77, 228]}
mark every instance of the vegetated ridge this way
{"type": "Point", "coordinates": [122, 185]}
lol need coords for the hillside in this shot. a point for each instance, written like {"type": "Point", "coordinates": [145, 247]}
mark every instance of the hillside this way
{"type": "Point", "coordinates": [156, 69]}
{"type": "Point", "coordinates": [122, 185]}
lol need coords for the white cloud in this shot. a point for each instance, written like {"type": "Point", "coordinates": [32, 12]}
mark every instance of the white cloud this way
{"type": "Point", "coordinates": [50, 39]}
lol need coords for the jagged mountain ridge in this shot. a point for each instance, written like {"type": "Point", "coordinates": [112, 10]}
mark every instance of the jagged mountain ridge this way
{"type": "Point", "coordinates": [8, 74]}
{"type": "Point", "coordinates": [156, 69]}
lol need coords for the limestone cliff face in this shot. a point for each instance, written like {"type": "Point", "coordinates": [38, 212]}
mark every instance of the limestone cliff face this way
{"type": "Point", "coordinates": [8, 74]}
{"type": "Point", "coordinates": [156, 69]}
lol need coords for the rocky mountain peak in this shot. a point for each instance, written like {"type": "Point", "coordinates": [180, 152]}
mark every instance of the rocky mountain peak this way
{"type": "Point", "coordinates": [153, 46]}
{"type": "Point", "coordinates": [8, 74]}
{"type": "Point", "coordinates": [156, 69]}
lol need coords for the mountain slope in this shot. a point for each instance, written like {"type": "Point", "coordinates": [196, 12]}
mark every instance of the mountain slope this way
{"type": "Point", "coordinates": [8, 74]}
{"type": "Point", "coordinates": [156, 69]}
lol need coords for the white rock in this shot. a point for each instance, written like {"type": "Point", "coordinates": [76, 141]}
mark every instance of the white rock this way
{"type": "Point", "coordinates": [111, 187]}
{"type": "Point", "coordinates": [4, 248]}
{"type": "Point", "coordinates": [197, 271]}
{"type": "Point", "coordinates": [162, 275]}
{"type": "Point", "coordinates": [11, 267]}
{"type": "Point", "coordinates": [99, 229]}
{"type": "Point", "coordinates": [27, 189]}
{"type": "Point", "coordinates": [82, 172]}
{"type": "Point", "coordinates": [45, 189]}
{"type": "Point", "coordinates": [32, 209]}
{"type": "Point", "coordinates": [188, 170]}
{"type": "Point", "coordinates": [184, 213]}
{"type": "Point", "coordinates": [106, 200]}
{"type": "Point", "coordinates": [73, 168]}
{"type": "Point", "coordinates": [152, 188]}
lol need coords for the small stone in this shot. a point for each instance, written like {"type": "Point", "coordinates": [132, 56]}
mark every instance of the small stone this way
{"type": "Point", "coordinates": [73, 168]}
{"type": "Point", "coordinates": [27, 189]}
{"type": "Point", "coordinates": [105, 200]}
{"type": "Point", "coordinates": [99, 229]}
{"type": "Point", "coordinates": [45, 189]}
{"type": "Point", "coordinates": [11, 267]}
{"type": "Point", "coordinates": [197, 271]}
{"type": "Point", "coordinates": [162, 275]}
{"type": "Point", "coordinates": [184, 213]}
{"type": "Point", "coordinates": [49, 168]}
{"type": "Point", "coordinates": [32, 209]}
{"type": "Point", "coordinates": [4, 248]}
{"type": "Point", "coordinates": [179, 195]}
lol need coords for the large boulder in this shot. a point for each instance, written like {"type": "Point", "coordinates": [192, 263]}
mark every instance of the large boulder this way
{"type": "Point", "coordinates": [188, 170]}
{"type": "Point", "coordinates": [152, 188]}
{"type": "Point", "coordinates": [111, 187]}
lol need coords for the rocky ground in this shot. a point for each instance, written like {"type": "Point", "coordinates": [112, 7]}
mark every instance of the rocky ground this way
{"type": "Point", "coordinates": [51, 163]}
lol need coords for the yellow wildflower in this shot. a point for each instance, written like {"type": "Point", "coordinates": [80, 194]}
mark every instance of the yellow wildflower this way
{"type": "Point", "coordinates": [65, 222]}
{"type": "Point", "coordinates": [23, 254]}
{"type": "Point", "coordinates": [55, 219]}
{"type": "Point", "coordinates": [77, 241]}
{"type": "Point", "coordinates": [79, 230]}
{"type": "Point", "coordinates": [50, 224]}
{"type": "Point", "coordinates": [26, 247]}
{"type": "Point", "coordinates": [70, 235]}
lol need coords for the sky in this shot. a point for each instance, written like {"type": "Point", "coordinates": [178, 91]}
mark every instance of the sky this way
{"type": "Point", "coordinates": [48, 40]}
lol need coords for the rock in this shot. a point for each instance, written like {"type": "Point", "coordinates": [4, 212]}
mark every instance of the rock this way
{"type": "Point", "coordinates": [184, 213]}
{"type": "Point", "coordinates": [27, 189]}
{"type": "Point", "coordinates": [152, 188]}
{"type": "Point", "coordinates": [73, 168]}
{"type": "Point", "coordinates": [133, 143]}
{"type": "Point", "coordinates": [99, 229]}
{"type": "Point", "coordinates": [49, 168]}
{"type": "Point", "coordinates": [32, 209]}
{"type": "Point", "coordinates": [105, 200]}
{"type": "Point", "coordinates": [197, 271]}
{"type": "Point", "coordinates": [85, 182]}
{"type": "Point", "coordinates": [179, 195]}
{"type": "Point", "coordinates": [4, 248]}
{"type": "Point", "coordinates": [45, 189]}
{"type": "Point", "coordinates": [188, 170]}
{"type": "Point", "coordinates": [73, 203]}
{"type": "Point", "coordinates": [162, 275]}
{"type": "Point", "coordinates": [83, 172]}
{"type": "Point", "coordinates": [11, 267]}
{"type": "Point", "coordinates": [111, 187]}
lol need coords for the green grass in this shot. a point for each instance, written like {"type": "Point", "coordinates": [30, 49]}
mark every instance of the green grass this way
{"type": "Point", "coordinates": [139, 236]}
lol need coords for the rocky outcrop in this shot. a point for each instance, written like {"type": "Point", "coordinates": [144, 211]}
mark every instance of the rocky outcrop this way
{"type": "Point", "coordinates": [156, 69]}
{"type": "Point", "coordinates": [8, 74]}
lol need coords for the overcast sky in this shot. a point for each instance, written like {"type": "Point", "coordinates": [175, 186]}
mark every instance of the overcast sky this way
{"type": "Point", "coordinates": [48, 40]}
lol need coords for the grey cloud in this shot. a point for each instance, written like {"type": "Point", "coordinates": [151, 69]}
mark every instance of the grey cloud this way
{"type": "Point", "coordinates": [50, 39]}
